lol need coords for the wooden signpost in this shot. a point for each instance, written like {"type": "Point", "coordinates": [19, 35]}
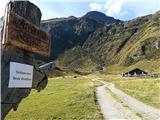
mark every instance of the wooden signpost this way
{"type": "Point", "coordinates": [21, 37]}
{"type": "Point", "coordinates": [23, 34]}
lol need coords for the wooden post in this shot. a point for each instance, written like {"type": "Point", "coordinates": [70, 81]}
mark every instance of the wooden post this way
{"type": "Point", "coordinates": [11, 97]}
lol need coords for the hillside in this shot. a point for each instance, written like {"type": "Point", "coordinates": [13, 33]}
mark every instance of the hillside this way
{"type": "Point", "coordinates": [98, 40]}
{"type": "Point", "coordinates": [69, 32]}
{"type": "Point", "coordinates": [127, 43]}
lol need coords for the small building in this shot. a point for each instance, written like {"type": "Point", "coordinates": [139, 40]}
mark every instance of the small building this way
{"type": "Point", "coordinates": [135, 72]}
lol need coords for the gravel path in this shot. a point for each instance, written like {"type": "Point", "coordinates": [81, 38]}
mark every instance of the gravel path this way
{"type": "Point", "coordinates": [114, 110]}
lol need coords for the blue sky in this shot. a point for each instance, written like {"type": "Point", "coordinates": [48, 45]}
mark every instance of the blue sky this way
{"type": "Point", "coordinates": [121, 9]}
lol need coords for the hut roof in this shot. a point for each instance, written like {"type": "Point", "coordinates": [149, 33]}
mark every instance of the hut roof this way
{"type": "Point", "coordinates": [137, 70]}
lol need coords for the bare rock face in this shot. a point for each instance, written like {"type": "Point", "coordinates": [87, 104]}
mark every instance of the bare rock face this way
{"type": "Point", "coordinates": [101, 17]}
{"type": "Point", "coordinates": [70, 32]}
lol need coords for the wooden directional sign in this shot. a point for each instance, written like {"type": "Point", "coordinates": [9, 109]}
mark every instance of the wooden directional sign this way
{"type": "Point", "coordinates": [21, 33]}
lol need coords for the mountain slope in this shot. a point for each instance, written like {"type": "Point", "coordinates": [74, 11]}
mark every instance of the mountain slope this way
{"type": "Point", "coordinates": [94, 41]}
{"type": "Point", "coordinates": [76, 58]}
{"type": "Point", "coordinates": [69, 32]}
{"type": "Point", "coordinates": [101, 17]}
{"type": "Point", "coordinates": [128, 42]}
{"type": "Point", "coordinates": [136, 45]}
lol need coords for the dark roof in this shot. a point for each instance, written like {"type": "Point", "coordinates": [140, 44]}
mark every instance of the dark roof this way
{"type": "Point", "coordinates": [136, 70]}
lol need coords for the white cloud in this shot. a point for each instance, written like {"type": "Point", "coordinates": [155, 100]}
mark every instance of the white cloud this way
{"type": "Point", "coordinates": [95, 6]}
{"type": "Point", "coordinates": [107, 4]}
{"type": "Point", "coordinates": [113, 8]}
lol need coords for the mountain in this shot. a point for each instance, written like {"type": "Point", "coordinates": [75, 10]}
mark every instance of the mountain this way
{"type": "Point", "coordinates": [96, 40]}
{"type": "Point", "coordinates": [127, 43]}
{"type": "Point", "coordinates": [69, 32]}
{"type": "Point", "coordinates": [100, 17]}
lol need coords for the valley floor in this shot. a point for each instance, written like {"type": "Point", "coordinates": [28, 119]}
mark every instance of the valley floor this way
{"type": "Point", "coordinates": [111, 108]}
{"type": "Point", "coordinates": [127, 107]}
{"type": "Point", "coordinates": [74, 98]}
{"type": "Point", "coordinates": [66, 98]}
{"type": "Point", "coordinates": [115, 104]}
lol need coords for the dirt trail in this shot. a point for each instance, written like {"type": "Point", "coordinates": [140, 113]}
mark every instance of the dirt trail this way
{"type": "Point", "coordinates": [112, 109]}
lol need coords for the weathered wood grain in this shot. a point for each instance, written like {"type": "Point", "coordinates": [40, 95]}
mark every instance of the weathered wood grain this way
{"type": "Point", "coordinates": [23, 34]}
{"type": "Point", "coordinates": [11, 97]}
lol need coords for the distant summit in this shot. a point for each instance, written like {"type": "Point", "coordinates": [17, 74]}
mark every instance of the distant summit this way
{"type": "Point", "coordinates": [68, 32]}
{"type": "Point", "coordinates": [100, 17]}
{"type": "Point", "coordinates": [96, 40]}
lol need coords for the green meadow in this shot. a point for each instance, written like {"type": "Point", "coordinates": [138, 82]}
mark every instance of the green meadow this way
{"type": "Point", "coordinates": [144, 89]}
{"type": "Point", "coordinates": [69, 98]}
{"type": "Point", "coordinates": [64, 98]}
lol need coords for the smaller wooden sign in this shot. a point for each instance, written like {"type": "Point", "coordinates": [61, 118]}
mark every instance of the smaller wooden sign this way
{"type": "Point", "coordinates": [21, 33]}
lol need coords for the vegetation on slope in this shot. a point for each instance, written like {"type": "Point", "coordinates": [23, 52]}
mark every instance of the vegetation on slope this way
{"type": "Point", "coordinates": [76, 58]}
{"type": "Point", "coordinates": [126, 43]}
{"type": "Point", "coordinates": [86, 42]}
{"type": "Point", "coordinates": [150, 66]}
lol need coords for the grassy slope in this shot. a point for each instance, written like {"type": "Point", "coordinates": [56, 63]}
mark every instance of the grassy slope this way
{"type": "Point", "coordinates": [151, 66]}
{"type": "Point", "coordinates": [150, 30]}
{"type": "Point", "coordinates": [119, 47]}
{"type": "Point", "coordinates": [145, 90]}
{"type": "Point", "coordinates": [77, 59]}
{"type": "Point", "coordinates": [67, 98]}
{"type": "Point", "coordinates": [149, 62]}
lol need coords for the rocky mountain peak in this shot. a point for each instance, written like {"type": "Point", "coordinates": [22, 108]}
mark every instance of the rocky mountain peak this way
{"type": "Point", "coordinates": [100, 17]}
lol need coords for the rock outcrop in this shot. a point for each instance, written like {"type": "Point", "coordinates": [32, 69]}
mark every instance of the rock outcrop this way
{"type": "Point", "coordinates": [70, 32]}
